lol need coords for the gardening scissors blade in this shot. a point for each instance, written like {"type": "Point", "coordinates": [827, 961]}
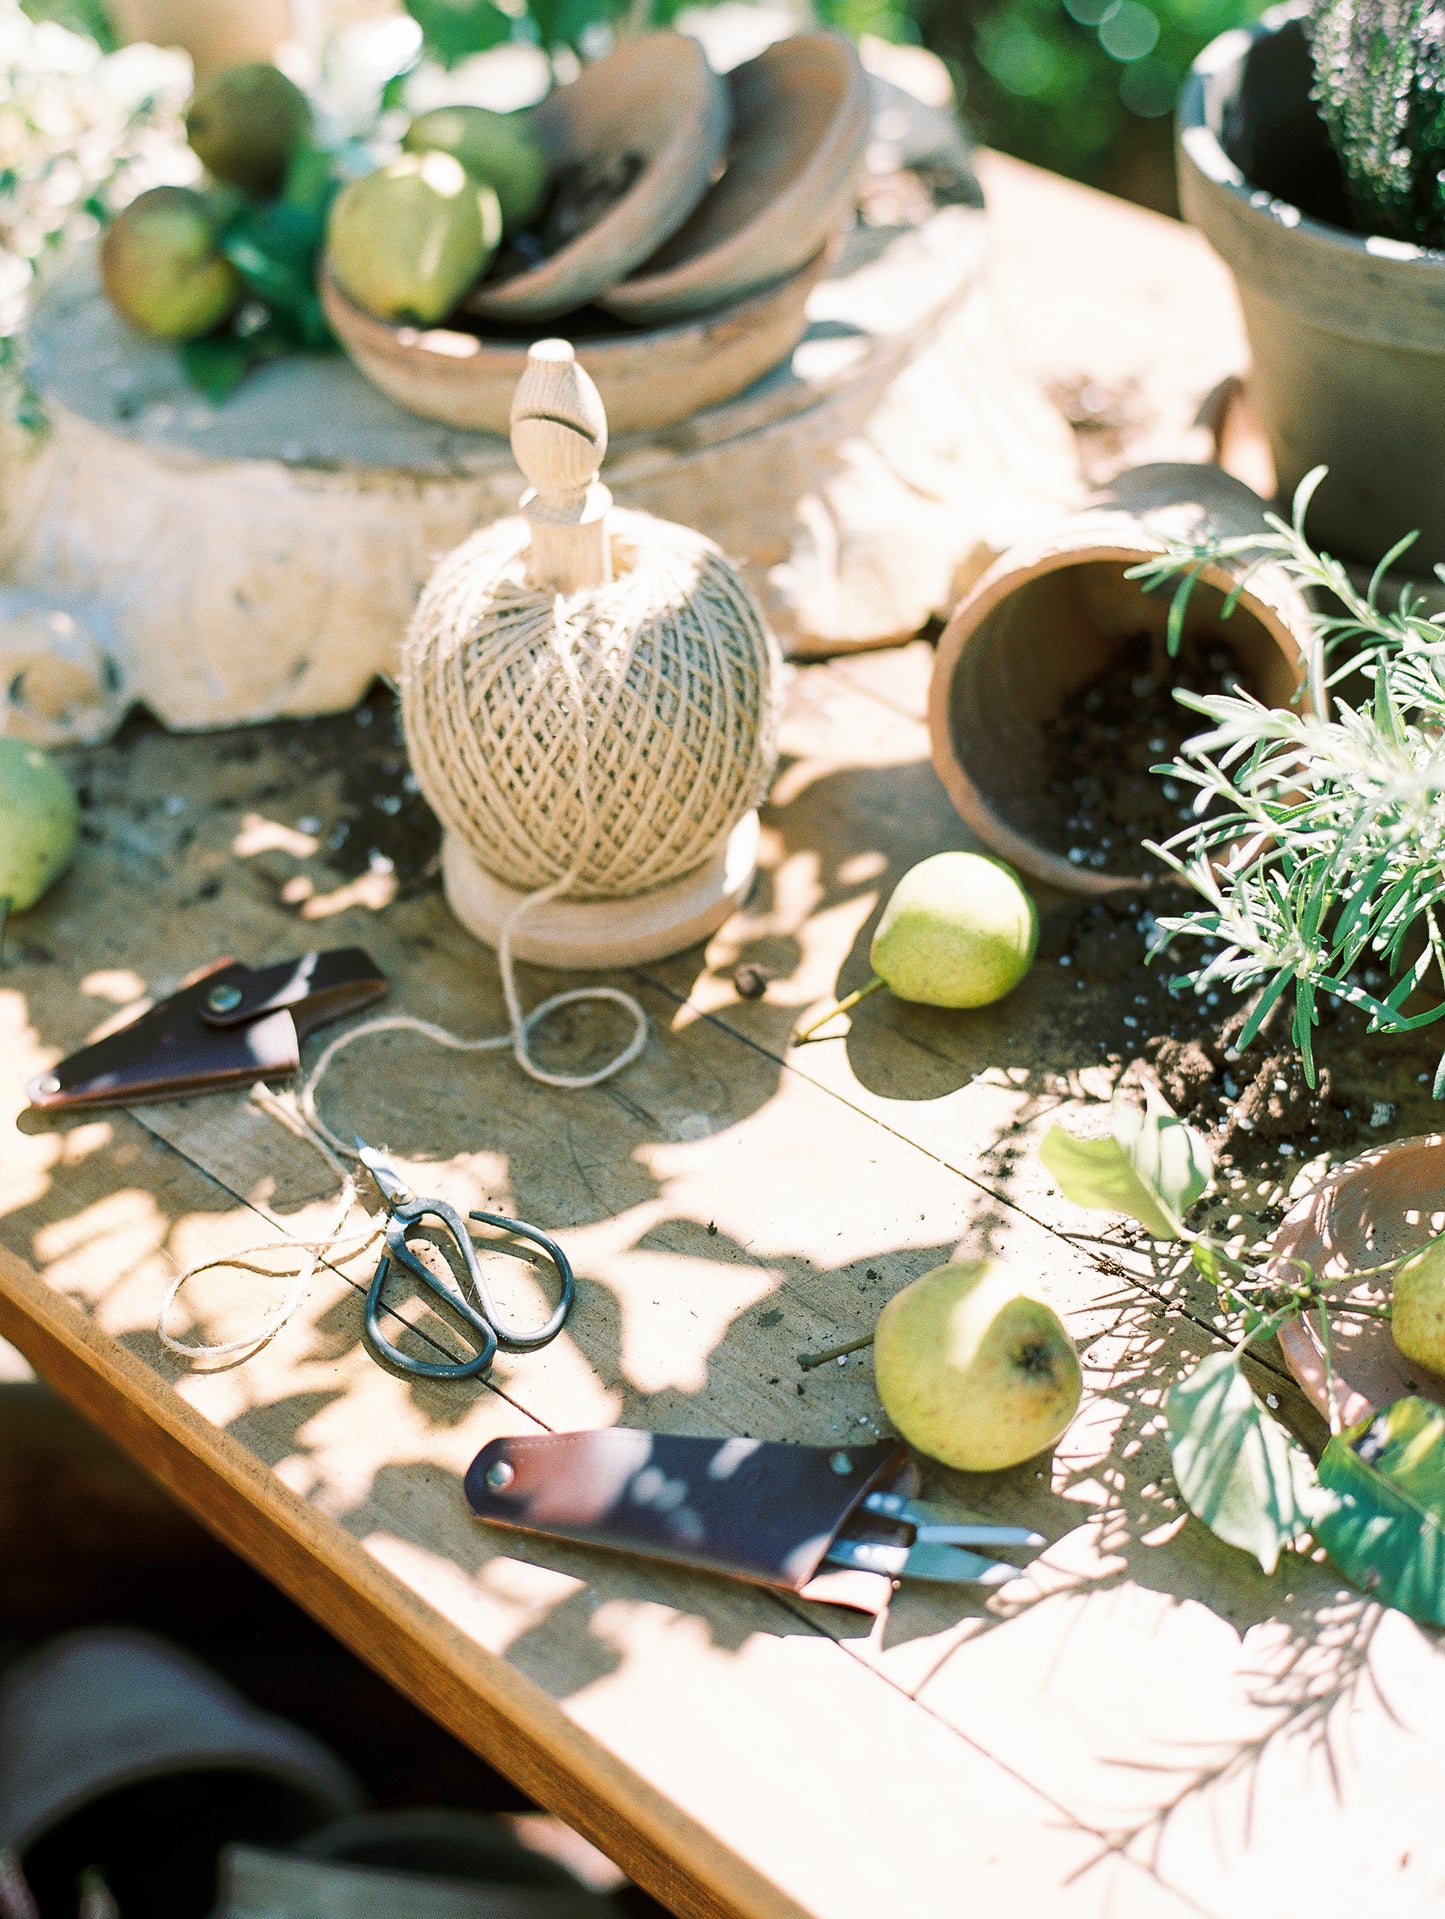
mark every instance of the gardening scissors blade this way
{"type": "Point", "coordinates": [944, 1565]}
{"type": "Point", "coordinates": [936, 1526]}
{"type": "Point", "coordinates": [392, 1189]}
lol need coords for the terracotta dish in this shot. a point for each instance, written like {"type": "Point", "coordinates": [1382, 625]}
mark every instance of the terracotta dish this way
{"type": "Point", "coordinates": [653, 100]}
{"type": "Point", "coordinates": [1388, 1202]}
{"type": "Point", "coordinates": [800, 119]}
{"type": "Point", "coordinates": [646, 379]}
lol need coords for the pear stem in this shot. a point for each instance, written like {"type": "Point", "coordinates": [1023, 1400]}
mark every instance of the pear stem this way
{"type": "Point", "coordinates": [807, 1361]}
{"type": "Point", "coordinates": [5, 899]}
{"type": "Point", "coordinates": [842, 1006]}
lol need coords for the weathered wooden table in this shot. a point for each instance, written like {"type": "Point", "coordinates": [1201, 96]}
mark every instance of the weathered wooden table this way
{"type": "Point", "coordinates": [1140, 1724]}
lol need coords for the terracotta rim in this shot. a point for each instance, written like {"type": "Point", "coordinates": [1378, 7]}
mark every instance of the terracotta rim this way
{"type": "Point", "coordinates": [1004, 577]}
{"type": "Point", "coordinates": [1361, 285]}
{"type": "Point", "coordinates": [670, 185]}
{"type": "Point", "coordinates": [1299, 1236]}
{"type": "Point", "coordinates": [465, 366]}
{"type": "Point", "coordinates": [830, 168]}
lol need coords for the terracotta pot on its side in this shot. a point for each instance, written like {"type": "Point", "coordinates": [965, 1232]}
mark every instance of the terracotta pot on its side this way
{"type": "Point", "coordinates": [1346, 331]}
{"type": "Point", "coordinates": [1050, 615]}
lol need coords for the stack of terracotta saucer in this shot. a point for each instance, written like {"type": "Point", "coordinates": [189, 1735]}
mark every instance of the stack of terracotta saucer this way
{"type": "Point", "coordinates": [694, 280]}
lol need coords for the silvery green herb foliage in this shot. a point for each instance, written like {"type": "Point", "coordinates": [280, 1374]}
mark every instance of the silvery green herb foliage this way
{"type": "Point", "coordinates": [1318, 842]}
{"type": "Point", "coordinates": [1380, 88]}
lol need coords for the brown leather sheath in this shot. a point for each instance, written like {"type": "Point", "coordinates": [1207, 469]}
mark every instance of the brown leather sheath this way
{"type": "Point", "coordinates": [755, 1509]}
{"type": "Point", "coordinates": [228, 1025]}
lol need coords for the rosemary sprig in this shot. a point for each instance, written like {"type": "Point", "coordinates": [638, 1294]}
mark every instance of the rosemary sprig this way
{"type": "Point", "coordinates": [1317, 845]}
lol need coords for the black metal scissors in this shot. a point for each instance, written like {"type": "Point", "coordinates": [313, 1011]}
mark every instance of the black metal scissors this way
{"type": "Point", "coordinates": [404, 1212]}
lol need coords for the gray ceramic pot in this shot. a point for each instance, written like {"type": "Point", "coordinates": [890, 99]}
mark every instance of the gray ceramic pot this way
{"type": "Point", "coordinates": [1347, 333]}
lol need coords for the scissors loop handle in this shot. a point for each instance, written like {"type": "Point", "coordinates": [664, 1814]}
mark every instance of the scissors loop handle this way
{"type": "Point", "coordinates": [483, 1319]}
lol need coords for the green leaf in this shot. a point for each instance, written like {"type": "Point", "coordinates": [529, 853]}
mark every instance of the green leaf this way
{"type": "Point", "coordinates": [309, 184]}
{"type": "Point", "coordinates": [1097, 1173]}
{"type": "Point", "coordinates": [1385, 1525]}
{"type": "Point", "coordinates": [1168, 1156]}
{"type": "Point", "coordinates": [217, 365]}
{"type": "Point", "coordinates": [455, 29]}
{"type": "Point", "coordinates": [274, 249]}
{"type": "Point", "coordinates": [1239, 1471]}
{"type": "Point", "coordinates": [87, 17]}
{"type": "Point", "coordinates": [1154, 1168]}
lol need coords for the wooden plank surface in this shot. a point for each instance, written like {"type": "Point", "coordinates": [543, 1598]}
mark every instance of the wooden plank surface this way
{"type": "Point", "coordinates": [1140, 1724]}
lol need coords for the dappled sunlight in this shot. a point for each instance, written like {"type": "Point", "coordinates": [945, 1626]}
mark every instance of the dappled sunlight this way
{"type": "Point", "coordinates": [258, 834]}
{"type": "Point", "coordinates": [118, 984]}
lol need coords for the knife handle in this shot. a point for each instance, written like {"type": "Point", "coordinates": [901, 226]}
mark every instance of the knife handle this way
{"type": "Point", "coordinates": [755, 1509]}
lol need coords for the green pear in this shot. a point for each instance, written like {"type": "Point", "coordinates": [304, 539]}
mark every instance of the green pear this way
{"type": "Point", "coordinates": [406, 242]}
{"type": "Point", "coordinates": [39, 822]}
{"type": "Point", "coordinates": [498, 149]}
{"type": "Point", "coordinates": [974, 1367]}
{"type": "Point", "coordinates": [959, 931]}
{"type": "Point", "coordinates": [162, 268]}
{"type": "Point", "coordinates": [1418, 1316]}
{"type": "Point", "coordinates": [244, 124]}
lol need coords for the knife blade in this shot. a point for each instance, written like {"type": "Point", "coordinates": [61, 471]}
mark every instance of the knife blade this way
{"type": "Point", "coordinates": [947, 1565]}
{"type": "Point", "coordinates": [936, 1526]}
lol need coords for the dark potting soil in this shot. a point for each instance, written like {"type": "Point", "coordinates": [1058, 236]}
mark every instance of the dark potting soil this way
{"type": "Point", "coordinates": [1104, 801]}
{"type": "Point", "coordinates": [1254, 1105]}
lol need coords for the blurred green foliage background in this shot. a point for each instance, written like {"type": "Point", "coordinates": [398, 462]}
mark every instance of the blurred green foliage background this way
{"type": "Point", "coordinates": [1085, 87]}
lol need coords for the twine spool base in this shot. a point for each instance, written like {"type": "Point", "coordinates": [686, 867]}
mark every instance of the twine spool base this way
{"type": "Point", "coordinates": [577, 934]}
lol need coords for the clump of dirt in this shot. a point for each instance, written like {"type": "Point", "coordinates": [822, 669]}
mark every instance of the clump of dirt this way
{"type": "Point", "coordinates": [1104, 801]}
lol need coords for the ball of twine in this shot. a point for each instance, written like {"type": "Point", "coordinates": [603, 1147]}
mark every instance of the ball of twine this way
{"type": "Point", "coordinates": [610, 738]}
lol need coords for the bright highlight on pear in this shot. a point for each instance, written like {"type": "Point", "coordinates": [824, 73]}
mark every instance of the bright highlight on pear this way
{"type": "Point", "coordinates": [1418, 1315]}
{"type": "Point", "coordinates": [39, 823]}
{"type": "Point", "coordinates": [407, 241]}
{"type": "Point", "coordinates": [959, 931]}
{"type": "Point", "coordinates": [498, 149]}
{"type": "Point", "coordinates": [974, 1366]}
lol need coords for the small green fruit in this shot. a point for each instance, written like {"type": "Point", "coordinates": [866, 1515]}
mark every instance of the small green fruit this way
{"type": "Point", "coordinates": [406, 242]}
{"type": "Point", "coordinates": [974, 1367]}
{"type": "Point", "coordinates": [1418, 1317]}
{"type": "Point", "coordinates": [161, 267]}
{"type": "Point", "coordinates": [498, 149]}
{"type": "Point", "coordinates": [959, 931]}
{"type": "Point", "coordinates": [245, 123]}
{"type": "Point", "coordinates": [39, 822]}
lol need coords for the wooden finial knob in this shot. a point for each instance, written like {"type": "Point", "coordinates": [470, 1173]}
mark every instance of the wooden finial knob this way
{"type": "Point", "coordinates": [559, 429]}
{"type": "Point", "coordinates": [559, 439]}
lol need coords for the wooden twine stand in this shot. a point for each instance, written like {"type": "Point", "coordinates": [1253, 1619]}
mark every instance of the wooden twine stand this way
{"type": "Point", "coordinates": [559, 440]}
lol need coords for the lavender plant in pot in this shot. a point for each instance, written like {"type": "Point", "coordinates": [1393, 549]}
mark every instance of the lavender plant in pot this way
{"type": "Point", "coordinates": [1311, 148]}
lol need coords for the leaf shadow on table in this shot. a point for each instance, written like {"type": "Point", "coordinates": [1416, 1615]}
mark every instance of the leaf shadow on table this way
{"type": "Point", "coordinates": [1106, 1501]}
{"type": "Point", "coordinates": [837, 843]}
{"type": "Point", "coordinates": [1120, 1596]}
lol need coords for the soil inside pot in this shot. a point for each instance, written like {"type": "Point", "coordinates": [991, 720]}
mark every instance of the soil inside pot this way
{"type": "Point", "coordinates": [1104, 801]}
{"type": "Point", "coordinates": [1277, 138]}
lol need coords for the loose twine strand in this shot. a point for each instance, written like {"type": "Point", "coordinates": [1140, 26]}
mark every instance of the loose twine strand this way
{"type": "Point", "coordinates": [670, 669]}
{"type": "Point", "coordinates": [300, 1115]}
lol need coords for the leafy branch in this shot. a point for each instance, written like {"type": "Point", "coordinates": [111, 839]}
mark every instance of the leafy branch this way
{"type": "Point", "coordinates": [1376, 1502]}
{"type": "Point", "coordinates": [1317, 844]}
